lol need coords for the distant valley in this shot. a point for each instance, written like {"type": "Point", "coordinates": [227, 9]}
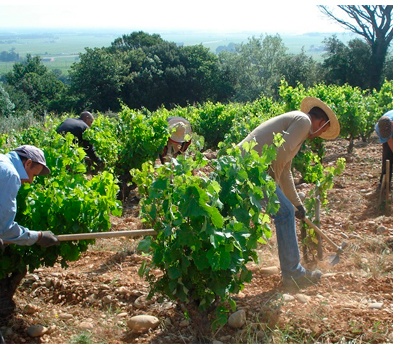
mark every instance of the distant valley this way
{"type": "Point", "coordinates": [59, 48]}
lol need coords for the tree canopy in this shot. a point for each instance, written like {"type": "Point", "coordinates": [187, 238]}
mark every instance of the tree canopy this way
{"type": "Point", "coordinates": [142, 70]}
{"type": "Point", "coordinates": [31, 86]}
{"type": "Point", "coordinates": [374, 24]}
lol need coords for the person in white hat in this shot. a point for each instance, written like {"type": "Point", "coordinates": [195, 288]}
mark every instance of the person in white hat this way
{"type": "Point", "coordinates": [314, 119]}
{"type": "Point", "coordinates": [179, 140]}
{"type": "Point", "coordinates": [17, 167]}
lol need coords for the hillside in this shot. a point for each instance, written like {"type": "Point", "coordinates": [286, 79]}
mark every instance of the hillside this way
{"type": "Point", "coordinates": [92, 300]}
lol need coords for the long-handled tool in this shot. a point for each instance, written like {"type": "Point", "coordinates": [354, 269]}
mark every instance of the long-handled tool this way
{"type": "Point", "coordinates": [150, 232]}
{"type": "Point", "coordinates": [339, 249]}
{"type": "Point", "coordinates": [95, 235]}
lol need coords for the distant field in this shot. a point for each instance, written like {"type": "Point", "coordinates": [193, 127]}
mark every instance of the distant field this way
{"type": "Point", "coordinates": [60, 48]}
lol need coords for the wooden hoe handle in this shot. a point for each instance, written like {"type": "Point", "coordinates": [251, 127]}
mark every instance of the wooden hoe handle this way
{"type": "Point", "coordinates": [95, 235]}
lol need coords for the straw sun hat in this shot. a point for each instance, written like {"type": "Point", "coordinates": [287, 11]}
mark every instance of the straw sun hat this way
{"type": "Point", "coordinates": [180, 129]}
{"type": "Point", "coordinates": [334, 128]}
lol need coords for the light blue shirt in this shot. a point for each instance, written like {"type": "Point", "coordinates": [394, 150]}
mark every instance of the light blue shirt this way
{"type": "Point", "coordinates": [12, 171]}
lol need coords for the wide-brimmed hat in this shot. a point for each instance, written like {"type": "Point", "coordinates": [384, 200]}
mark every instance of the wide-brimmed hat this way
{"type": "Point", "coordinates": [180, 128]}
{"type": "Point", "coordinates": [334, 128]}
{"type": "Point", "coordinates": [35, 154]}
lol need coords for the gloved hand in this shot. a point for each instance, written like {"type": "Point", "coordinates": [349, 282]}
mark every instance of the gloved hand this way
{"type": "Point", "coordinates": [47, 239]}
{"type": "Point", "coordinates": [300, 212]}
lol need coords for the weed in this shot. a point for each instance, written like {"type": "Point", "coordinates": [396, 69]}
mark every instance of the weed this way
{"type": "Point", "coordinates": [82, 338]}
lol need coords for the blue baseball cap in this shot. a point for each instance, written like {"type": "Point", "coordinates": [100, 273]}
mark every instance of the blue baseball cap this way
{"type": "Point", "coordinates": [35, 154]}
{"type": "Point", "coordinates": [384, 127]}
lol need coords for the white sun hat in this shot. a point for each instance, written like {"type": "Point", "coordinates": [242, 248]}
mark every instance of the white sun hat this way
{"type": "Point", "coordinates": [180, 128]}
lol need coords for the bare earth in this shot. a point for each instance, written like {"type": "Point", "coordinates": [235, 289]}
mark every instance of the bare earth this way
{"type": "Point", "coordinates": [92, 300]}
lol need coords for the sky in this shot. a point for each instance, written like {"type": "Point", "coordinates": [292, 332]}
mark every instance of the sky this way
{"type": "Point", "coordinates": [265, 16]}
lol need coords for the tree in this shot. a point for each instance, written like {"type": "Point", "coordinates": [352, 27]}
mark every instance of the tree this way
{"type": "Point", "coordinates": [336, 61]}
{"type": "Point", "coordinates": [388, 70]}
{"type": "Point", "coordinates": [9, 56]}
{"type": "Point", "coordinates": [135, 40]}
{"type": "Point", "coordinates": [6, 105]}
{"type": "Point", "coordinates": [156, 76]}
{"type": "Point", "coordinates": [300, 68]}
{"type": "Point", "coordinates": [165, 74]}
{"type": "Point", "coordinates": [360, 64]}
{"type": "Point", "coordinates": [32, 64]}
{"type": "Point", "coordinates": [374, 24]}
{"type": "Point", "coordinates": [349, 64]}
{"type": "Point", "coordinates": [143, 70]}
{"type": "Point", "coordinates": [255, 66]}
{"type": "Point", "coordinates": [32, 86]}
{"type": "Point", "coordinates": [204, 80]}
{"type": "Point", "coordinates": [97, 79]}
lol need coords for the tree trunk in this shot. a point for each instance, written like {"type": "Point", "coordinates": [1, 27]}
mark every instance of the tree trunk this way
{"type": "Point", "coordinates": [201, 326]}
{"type": "Point", "coordinates": [350, 147]}
{"type": "Point", "coordinates": [377, 61]}
{"type": "Point", "coordinates": [200, 322]}
{"type": "Point", "coordinates": [8, 286]}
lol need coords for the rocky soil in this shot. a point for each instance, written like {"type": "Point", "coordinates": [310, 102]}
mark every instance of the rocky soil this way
{"type": "Point", "coordinates": [96, 298]}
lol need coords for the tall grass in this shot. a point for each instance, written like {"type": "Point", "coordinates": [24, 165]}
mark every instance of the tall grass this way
{"type": "Point", "coordinates": [17, 123]}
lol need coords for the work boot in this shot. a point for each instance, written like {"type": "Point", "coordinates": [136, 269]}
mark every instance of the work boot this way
{"type": "Point", "coordinates": [308, 279]}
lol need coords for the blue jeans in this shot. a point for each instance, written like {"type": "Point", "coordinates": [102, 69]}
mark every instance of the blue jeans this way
{"type": "Point", "coordinates": [288, 248]}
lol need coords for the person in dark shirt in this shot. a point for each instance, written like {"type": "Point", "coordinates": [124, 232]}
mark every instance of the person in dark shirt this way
{"type": "Point", "coordinates": [77, 126]}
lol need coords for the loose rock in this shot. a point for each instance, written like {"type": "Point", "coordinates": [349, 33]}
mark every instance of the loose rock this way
{"type": "Point", "coordinates": [36, 330]}
{"type": "Point", "coordinates": [288, 297]}
{"type": "Point", "coordinates": [142, 323]}
{"type": "Point", "coordinates": [268, 271]}
{"type": "Point", "coordinates": [141, 302]}
{"type": "Point", "coordinates": [86, 325]}
{"type": "Point", "coordinates": [380, 230]}
{"type": "Point", "coordinates": [302, 298]}
{"type": "Point", "coordinates": [30, 309]}
{"type": "Point", "coordinates": [237, 319]}
{"type": "Point", "coordinates": [375, 305]}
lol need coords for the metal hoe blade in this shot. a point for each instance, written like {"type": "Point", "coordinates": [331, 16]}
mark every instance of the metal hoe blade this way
{"type": "Point", "coordinates": [334, 259]}
{"type": "Point", "coordinates": [339, 249]}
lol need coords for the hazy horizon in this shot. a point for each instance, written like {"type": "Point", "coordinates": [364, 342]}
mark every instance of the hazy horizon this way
{"type": "Point", "coordinates": [25, 30]}
{"type": "Point", "coordinates": [222, 16]}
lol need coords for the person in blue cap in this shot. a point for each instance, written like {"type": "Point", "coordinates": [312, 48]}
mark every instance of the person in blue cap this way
{"type": "Point", "coordinates": [384, 130]}
{"type": "Point", "coordinates": [17, 167]}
